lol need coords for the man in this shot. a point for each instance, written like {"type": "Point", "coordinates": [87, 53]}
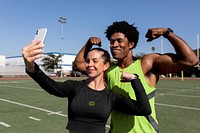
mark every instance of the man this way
{"type": "Point", "coordinates": [123, 38]}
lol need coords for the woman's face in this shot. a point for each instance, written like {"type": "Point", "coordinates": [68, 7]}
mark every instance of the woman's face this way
{"type": "Point", "coordinates": [95, 64]}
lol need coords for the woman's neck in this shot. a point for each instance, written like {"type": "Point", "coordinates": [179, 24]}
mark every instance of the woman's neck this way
{"type": "Point", "coordinates": [96, 83]}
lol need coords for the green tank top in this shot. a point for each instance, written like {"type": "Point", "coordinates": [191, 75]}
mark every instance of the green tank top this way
{"type": "Point", "coordinates": [123, 123]}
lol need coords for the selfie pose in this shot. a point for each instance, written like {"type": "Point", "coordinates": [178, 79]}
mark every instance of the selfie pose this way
{"type": "Point", "coordinates": [89, 101]}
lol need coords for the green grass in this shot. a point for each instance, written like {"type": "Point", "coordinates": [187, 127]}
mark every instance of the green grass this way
{"type": "Point", "coordinates": [177, 106]}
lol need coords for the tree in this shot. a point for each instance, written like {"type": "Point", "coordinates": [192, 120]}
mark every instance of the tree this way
{"type": "Point", "coordinates": [51, 62]}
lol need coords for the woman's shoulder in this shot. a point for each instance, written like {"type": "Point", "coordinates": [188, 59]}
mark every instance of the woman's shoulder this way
{"type": "Point", "coordinates": [75, 82]}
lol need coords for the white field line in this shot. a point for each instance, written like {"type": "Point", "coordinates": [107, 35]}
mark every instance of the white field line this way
{"type": "Point", "coordinates": [59, 112]}
{"type": "Point", "coordinates": [160, 104]}
{"type": "Point", "coordinates": [158, 94]}
{"type": "Point", "coordinates": [182, 89]}
{"type": "Point", "coordinates": [32, 107]}
{"type": "Point", "coordinates": [180, 95]}
{"type": "Point", "coordinates": [26, 88]}
{"type": "Point", "coordinates": [33, 118]}
{"type": "Point", "coordinates": [176, 106]}
{"type": "Point", "coordinates": [9, 82]}
{"type": "Point", "coordinates": [5, 124]}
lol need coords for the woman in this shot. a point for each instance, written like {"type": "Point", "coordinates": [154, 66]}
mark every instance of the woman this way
{"type": "Point", "coordinates": [89, 101]}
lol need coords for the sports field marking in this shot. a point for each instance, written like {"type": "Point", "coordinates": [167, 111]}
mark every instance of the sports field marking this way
{"type": "Point", "coordinates": [59, 112]}
{"type": "Point", "coordinates": [26, 88]}
{"type": "Point", "coordinates": [9, 82]}
{"type": "Point", "coordinates": [175, 106]}
{"type": "Point", "coordinates": [33, 118]}
{"type": "Point", "coordinates": [163, 94]}
{"type": "Point", "coordinates": [28, 106]}
{"type": "Point", "coordinates": [32, 107]}
{"type": "Point", "coordinates": [5, 124]}
{"type": "Point", "coordinates": [194, 89]}
{"type": "Point", "coordinates": [158, 94]}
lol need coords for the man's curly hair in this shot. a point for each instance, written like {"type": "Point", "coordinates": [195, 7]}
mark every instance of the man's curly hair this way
{"type": "Point", "coordinates": [129, 30]}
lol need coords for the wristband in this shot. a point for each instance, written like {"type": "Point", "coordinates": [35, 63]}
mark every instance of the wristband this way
{"type": "Point", "coordinates": [165, 35]}
{"type": "Point", "coordinates": [134, 76]}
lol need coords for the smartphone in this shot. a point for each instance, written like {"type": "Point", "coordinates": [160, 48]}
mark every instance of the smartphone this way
{"type": "Point", "coordinates": [40, 35]}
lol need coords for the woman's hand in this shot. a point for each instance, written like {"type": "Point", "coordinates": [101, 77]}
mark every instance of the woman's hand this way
{"type": "Point", "coordinates": [31, 52]}
{"type": "Point", "coordinates": [127, 77]}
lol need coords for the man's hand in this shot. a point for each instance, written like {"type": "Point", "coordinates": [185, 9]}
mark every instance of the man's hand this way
{"type": "Point", "coordinates": [95, 41]}
{"type": "Point", "coordinates": [154, 33]}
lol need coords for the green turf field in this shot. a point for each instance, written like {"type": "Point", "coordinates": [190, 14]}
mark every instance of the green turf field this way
{"type": "Point", "coordinates": [26, 108]}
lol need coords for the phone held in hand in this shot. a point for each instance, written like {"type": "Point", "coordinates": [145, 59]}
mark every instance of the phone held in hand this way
{"type": "Point", "coordinates": [40, 35]}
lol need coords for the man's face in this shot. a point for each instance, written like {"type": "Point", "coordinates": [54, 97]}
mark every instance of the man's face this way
{"type": "Point", "coordinates": [119, 46]}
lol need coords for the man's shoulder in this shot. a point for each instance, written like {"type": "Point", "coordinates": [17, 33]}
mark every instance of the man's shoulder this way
{"type": "Point", "coordinates": [148, 64]}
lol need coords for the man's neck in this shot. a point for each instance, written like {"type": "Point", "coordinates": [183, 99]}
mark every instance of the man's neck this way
{"type": "Point", "coordinates": [125, 62]}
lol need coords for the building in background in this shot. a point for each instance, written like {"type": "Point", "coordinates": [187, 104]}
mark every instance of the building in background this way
{"type": "Point", "coordinates": [14, 66]}
{"type": "Point", "coordinates": [2, 64]}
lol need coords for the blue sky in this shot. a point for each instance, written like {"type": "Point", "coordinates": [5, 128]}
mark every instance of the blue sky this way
{"type": "Point", "coordinates": [86, 18]}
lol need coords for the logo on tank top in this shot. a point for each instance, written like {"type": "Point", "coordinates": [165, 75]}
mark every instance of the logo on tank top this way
{"type": "Point", "coordinates": [91, 103]}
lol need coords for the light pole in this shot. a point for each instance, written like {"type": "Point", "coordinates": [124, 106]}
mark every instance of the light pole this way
{"type": "Point", "coordinates": [62, 21]}
{"type": "Point", "coordinates": [161, 46]}
{"type": "Point", "coordinates": [198, 45]}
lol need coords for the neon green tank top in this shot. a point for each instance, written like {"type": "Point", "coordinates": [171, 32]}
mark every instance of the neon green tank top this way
{"type": "Point", "coordinates": [123, 123]}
